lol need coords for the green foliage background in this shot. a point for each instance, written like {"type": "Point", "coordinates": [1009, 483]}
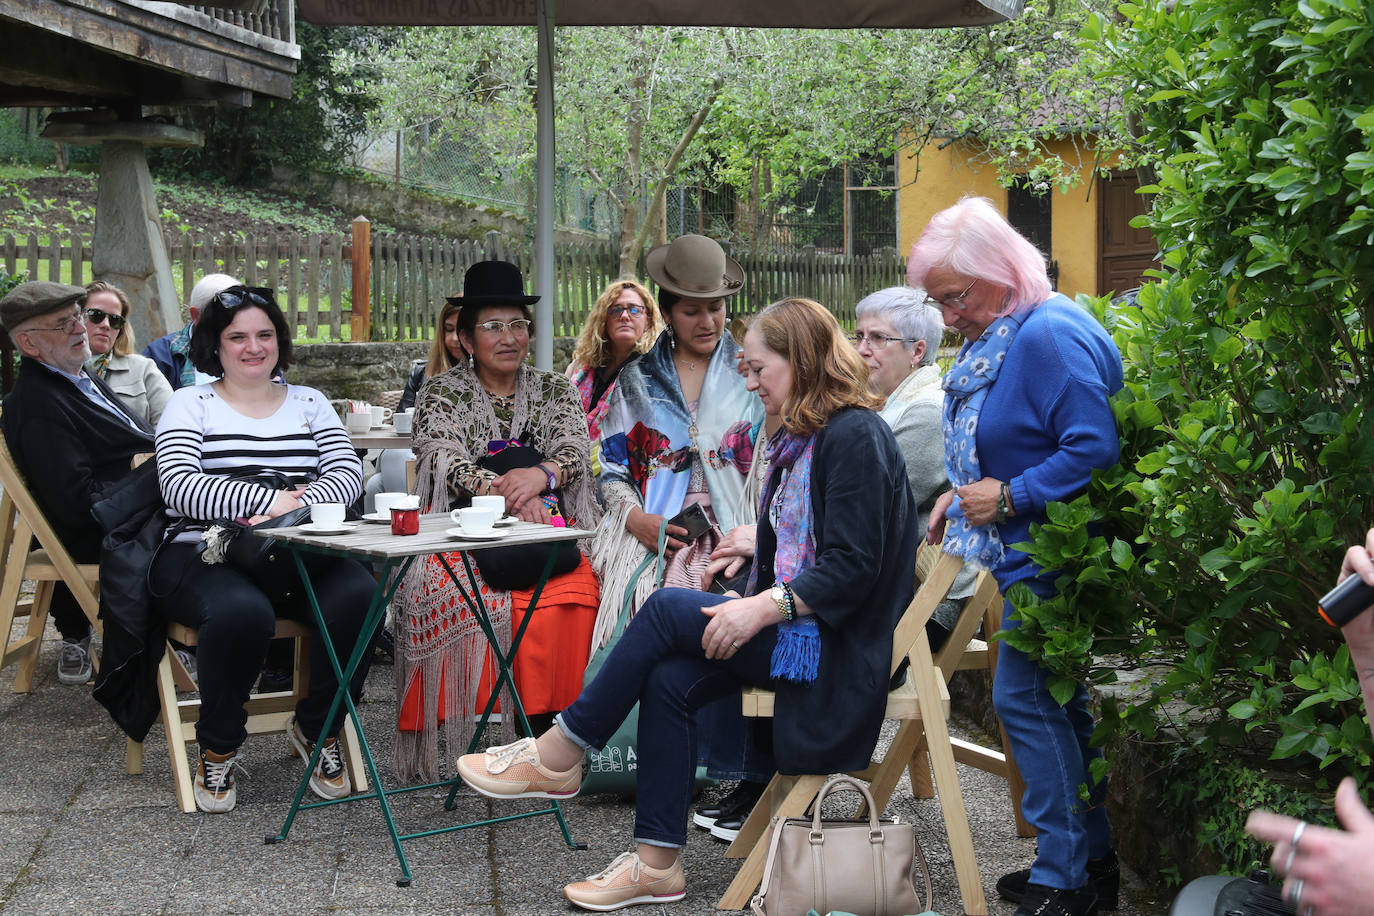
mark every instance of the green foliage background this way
{"type": "Point", "coordinates": [315, 129]}
{"type": "Point", "coordinates": [1246, 424]}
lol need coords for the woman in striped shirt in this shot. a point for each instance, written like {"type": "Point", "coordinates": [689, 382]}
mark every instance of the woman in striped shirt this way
{"type": "Point", "coordinates": [209, 437]}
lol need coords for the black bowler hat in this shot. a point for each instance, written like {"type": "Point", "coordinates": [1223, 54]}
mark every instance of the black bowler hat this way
{"type": "Point", "coordinates": [493, 283]}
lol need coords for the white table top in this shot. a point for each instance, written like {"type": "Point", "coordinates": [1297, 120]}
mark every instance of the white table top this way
{"type": "Point", "coordinates": [380, 437]}
{"type": "Point", "coordinates": [374, 540]}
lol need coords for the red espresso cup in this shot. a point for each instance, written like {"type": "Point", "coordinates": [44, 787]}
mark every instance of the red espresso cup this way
{"type": "Point", "coordinates": [405, 521]}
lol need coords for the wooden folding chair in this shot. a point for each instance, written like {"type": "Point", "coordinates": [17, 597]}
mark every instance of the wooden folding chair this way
{"type": "Point", "coordinates": [267, 713]}
{"type": "Point", "coordinates": [21, 522]}
{"type": "Point", "coordinates": [963, 652]}
{"type": "Point", "coordinates": [923, 699]}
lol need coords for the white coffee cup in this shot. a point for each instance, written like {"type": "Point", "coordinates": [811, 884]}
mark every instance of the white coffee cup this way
{"type": "Point", "coordinates": [384, 502]}
{"type": "Point", "coordinates": [380, 415]}
{"type": "Point", "coordinates": [477, 521]}
{"type": "Point", "coordinates": [402, 422]}
{"type": "Point", "coordinates": [358, 422]}
{"type": "Point", "coordinates": [495, 502]}
{"type": "Point", "coordinates": [327, 515]}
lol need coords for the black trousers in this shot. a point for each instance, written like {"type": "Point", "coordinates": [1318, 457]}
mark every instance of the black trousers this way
{"type": "Point", "coordinates": [234, 621]}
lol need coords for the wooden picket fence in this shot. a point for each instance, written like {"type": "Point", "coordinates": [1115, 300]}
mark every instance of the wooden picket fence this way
{"type": "Point", "coordinates": [409, 276]}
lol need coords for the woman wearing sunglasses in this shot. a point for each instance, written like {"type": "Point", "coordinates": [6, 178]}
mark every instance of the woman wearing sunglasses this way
{"type": "Point", "coordinates": [135, 379]}
{"type": "Point", "coordinates": [215, 443]}
{"type": "Point", "coordinates": [624, 323]}
{"type": "Point", "coordinates": [493, 425]}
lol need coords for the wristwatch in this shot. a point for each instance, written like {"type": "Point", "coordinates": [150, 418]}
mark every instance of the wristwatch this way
{"type": "Point", "coordinates": [779, 597]}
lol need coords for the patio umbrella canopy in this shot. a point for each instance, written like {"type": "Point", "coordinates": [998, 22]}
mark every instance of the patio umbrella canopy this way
{"type": "Point", "coordinates": [791, 14]}
{"type": "Point", "coordinates": [810, 14]}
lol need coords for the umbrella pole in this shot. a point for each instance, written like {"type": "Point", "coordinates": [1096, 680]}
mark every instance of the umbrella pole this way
{"type": "Point", "coordinates": [544, 204]}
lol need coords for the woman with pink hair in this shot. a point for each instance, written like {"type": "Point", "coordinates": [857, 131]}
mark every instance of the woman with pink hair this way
{"type": "Point", "coordinates": [1026, 420]}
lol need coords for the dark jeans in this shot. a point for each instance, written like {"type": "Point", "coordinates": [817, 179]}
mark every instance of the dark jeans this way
{"type": "Point", "coordinates": [71, 622]}
{"type": "Point", "coordinates": [234, 621]}
{"type": "Point", "coordinates": [660, 664]}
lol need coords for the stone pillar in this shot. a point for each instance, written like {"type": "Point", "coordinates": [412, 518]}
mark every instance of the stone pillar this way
{"type": "Point", "coordinates": [129, 248]}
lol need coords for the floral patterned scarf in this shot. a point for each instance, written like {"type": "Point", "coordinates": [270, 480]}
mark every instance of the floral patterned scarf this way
{"type": "Point", "coordinates": [966, 387]}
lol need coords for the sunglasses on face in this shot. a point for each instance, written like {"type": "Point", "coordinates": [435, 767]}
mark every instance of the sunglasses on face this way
{"type": "Point", "coordinates": [95, 316]}
{"type": "Point", "coordinates": [235, 296]}
{"type": "Point", "coordinates": [634, 311]}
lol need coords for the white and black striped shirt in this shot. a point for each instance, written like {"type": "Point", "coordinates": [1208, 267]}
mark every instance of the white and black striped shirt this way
{"type": "Point", "coordinates": [202, 441]}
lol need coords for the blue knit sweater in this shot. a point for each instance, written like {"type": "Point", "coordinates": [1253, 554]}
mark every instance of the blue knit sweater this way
{"type": "Point", "coordinates": [1047, 422]}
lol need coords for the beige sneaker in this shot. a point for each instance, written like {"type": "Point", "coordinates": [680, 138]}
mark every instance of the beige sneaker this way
{"type": "Point", "coordinates": [514, 771]}
{"type": "Point", "coordinates": [330, 779]}
{"type": "Point", "coordinates": [626, 882]}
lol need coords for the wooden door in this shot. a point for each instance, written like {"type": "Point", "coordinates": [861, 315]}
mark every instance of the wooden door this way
{"type": "Point", "coordinates": [1125, 253]}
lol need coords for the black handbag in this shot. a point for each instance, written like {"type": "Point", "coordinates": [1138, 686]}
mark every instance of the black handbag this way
{"type": "Point", "coordinates": [264, 561]}
{"type": "Point", "coordinates": [518, 568]}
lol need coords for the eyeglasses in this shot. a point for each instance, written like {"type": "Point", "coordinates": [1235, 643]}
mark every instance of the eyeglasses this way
{"type": "Point", "coordinates": [634, 311]}
{"type": "Point", "coordinates": [953, 302]}
{"type": "Point", "coordinates": [66, 325]}
{"type": "Point", "coordinates": [235, 296]}
{"type": "Point", "coordinates": [517, 326]}
{"type": "Point", "coordinates": [95, 316]}
{"type": "Point", "coordinates": [877, 341]}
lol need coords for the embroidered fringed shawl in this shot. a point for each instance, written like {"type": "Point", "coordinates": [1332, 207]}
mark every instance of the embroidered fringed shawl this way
{"type": "Point", "coordinates": [438, 640]}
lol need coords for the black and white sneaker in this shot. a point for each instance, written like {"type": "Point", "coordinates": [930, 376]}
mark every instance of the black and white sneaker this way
{"type": "Point", "coordinates": [732, 818]}
{"type": "Point", "coordinates": [705, 816]}
{"type": "Point", "coordinates": [1104, 875]}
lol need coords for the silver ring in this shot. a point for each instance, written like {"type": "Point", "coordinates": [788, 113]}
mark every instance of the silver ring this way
{"type": "Point", "coordinates": [1295, 898]}
{"type": "Point", "coordinates": [1309, 910]}
{"type": "Point", "coordinates": [1297, 833]}
{"type": "Point", "coordinates": [734, 645]}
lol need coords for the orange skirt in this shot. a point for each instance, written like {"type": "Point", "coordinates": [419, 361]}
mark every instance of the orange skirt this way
{"type": "Point", "coordinates": [553, 653]}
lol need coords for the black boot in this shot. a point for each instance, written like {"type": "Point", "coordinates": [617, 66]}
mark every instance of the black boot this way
{"type": "Point", "coordinates": [1040, 900]}
{"type": "Point", "coordinates": [1104, 875]}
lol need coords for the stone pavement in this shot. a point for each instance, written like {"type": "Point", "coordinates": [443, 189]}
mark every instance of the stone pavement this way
{"type": "Point", "coordinates": [78, 835]}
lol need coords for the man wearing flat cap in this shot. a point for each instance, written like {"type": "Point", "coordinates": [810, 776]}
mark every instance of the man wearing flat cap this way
{"type": "Point", "coordinates": [69, 435]}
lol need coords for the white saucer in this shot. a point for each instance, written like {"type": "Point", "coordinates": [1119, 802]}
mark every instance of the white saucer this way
{"type": "Point", "coordinates": [312, 528]}
{"type": "Point", "coordinates": [378, 517]}
{"type": "Point", "coordinates": [466, 535]}
{"type": "Point", "coordinates": [506, 520]}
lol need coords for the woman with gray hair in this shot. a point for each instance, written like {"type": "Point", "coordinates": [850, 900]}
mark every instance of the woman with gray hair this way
{"type": "Point", "coordinates": [899, 337]}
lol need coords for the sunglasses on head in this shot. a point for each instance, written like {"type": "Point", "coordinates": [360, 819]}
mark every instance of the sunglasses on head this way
{"type": "Point", "coordinates": [235, 296]}
{"type": "Point", "coordinates": [95, 316]}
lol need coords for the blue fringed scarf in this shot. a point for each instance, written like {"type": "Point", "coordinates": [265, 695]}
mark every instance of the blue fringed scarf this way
{"type": "Point", "coordinates": [966, 387]}
{"type": "Point", "coordinates": [787, 500]}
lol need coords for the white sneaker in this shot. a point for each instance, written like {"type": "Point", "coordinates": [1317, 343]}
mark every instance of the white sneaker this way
{"type": "Point", "coordinates": [214, 784]}
{"type": "Point", "coordinates": [330, 779]}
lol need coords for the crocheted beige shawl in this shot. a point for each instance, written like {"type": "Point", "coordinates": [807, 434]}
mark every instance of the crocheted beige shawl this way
{"type": "Point", "coordinates": [437, 636]}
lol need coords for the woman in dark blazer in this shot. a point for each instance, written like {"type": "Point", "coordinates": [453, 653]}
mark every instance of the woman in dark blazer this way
{"type": "Point", "coordinates": [836, 544]}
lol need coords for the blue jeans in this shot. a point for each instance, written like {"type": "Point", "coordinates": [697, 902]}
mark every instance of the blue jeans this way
{"type": "Point", "coordinates": [660, 664]}
{"type": "Point", "coordinates": [1050, 743]}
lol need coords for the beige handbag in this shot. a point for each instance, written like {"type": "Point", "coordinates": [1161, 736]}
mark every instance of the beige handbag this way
{"type": "Point", "coordinates": [858, 866]}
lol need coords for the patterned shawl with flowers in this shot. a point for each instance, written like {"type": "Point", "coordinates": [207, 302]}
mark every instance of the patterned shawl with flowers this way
{"type": "Point", "coordinates": [438, 640]}
{"type": "Point", "coordinates": [645, 454]}
{"type": "Point", "coordinates": [966, 387]}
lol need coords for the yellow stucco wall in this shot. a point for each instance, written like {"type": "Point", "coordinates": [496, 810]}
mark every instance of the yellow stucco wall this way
{"type": "Point", "coordinates": [945, 175]}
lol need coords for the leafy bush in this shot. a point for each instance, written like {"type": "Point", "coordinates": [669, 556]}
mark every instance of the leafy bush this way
{"type": "Point", "coordinates": [1246, 418]}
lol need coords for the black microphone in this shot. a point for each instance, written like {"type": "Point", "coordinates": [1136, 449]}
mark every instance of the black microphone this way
{"type": "Point", "coordinates": [1345, 602]}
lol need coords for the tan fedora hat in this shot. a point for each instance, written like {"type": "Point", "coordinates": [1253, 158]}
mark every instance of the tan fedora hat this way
{"type": "Point", "coordinates": [695, 267]}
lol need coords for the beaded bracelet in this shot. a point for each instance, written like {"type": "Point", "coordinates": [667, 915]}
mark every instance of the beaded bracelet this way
{"type": "Point", "coordinates": [791, 602]}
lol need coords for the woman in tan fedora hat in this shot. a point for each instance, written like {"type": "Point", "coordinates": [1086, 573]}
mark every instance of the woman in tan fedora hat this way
{"type": "Point", "coordinates": [679, 432]}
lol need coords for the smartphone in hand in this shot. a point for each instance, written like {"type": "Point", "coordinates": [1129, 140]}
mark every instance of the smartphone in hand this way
{"type": "Point", "coordinates": [694, 519]}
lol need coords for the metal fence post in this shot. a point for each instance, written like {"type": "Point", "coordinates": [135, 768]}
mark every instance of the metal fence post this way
{"type": "Point", "coordinates": [360, 321]}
